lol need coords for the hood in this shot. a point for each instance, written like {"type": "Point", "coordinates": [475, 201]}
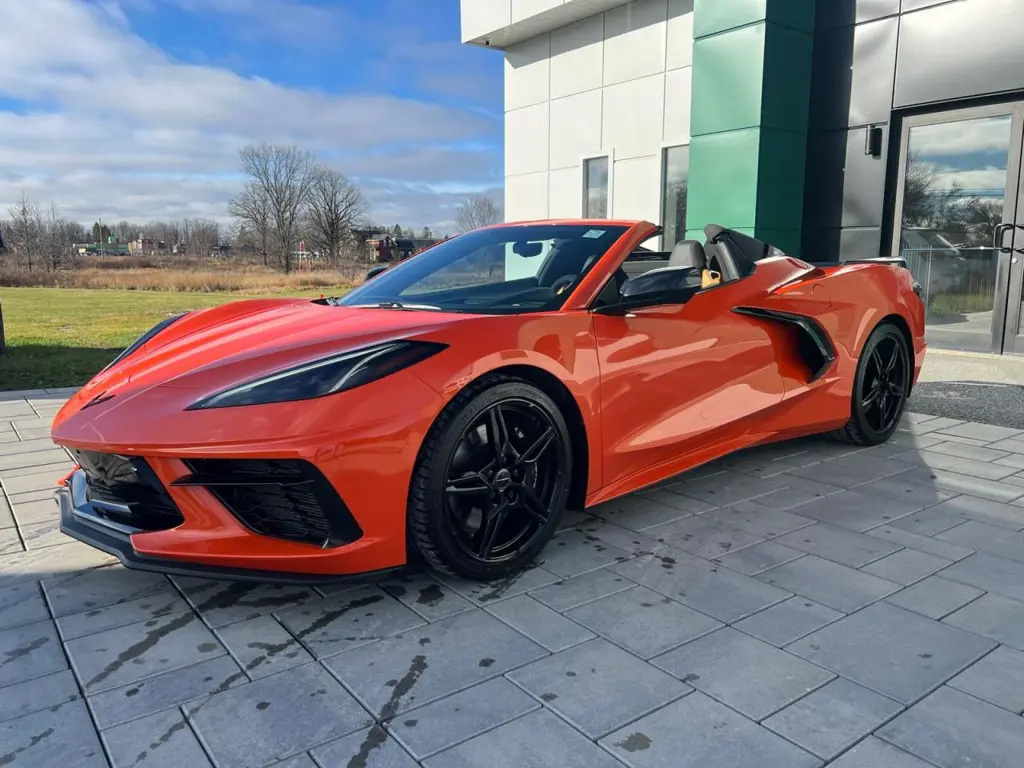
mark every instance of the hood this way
{"type": "Point", "coordinates": [235, 342]}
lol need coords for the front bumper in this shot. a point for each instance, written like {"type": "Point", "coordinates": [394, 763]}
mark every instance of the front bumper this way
{"type": "Point", "coordinates": [81, 520]}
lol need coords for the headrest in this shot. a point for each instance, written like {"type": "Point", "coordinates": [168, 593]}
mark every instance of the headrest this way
{"type": "Point", "coordinates": [688, 253]}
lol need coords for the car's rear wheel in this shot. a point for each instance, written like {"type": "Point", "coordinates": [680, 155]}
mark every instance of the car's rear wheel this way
{"type": "Point", "coordinates": [492, 480]}
{"type": "Point", "coordinates": [880, 388]}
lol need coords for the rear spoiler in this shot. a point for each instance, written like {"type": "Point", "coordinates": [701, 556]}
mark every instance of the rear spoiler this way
{"type": "Point", "coordinates": [893, 261]}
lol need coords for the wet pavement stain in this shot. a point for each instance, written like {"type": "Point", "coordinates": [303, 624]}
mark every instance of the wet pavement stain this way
{"type": "Point", "coordinates": [486, 662]}
{"type": "Point", "coordinates": [160, 740]}
{"type": "Point", "coordinates": [8, 758]}
{"type": "Point", "coordinates": [133, 652]}
{"type": "Point", "coordinates": [263, 706]}
{"type": "Point", "coordinates": [25, 650]}
{"type": "Point", "coordinates": [330, 616]}
{"type": "Point", "coordinates": [430, 596]}
{"type": "Point", "coordinates": [206, 647]}
{"type": "Point", "coordinates": [549, 696]}
{"type": "Point", "coordinates": [411, 723]}
{"type": "Point", "coordinates": [235, 594]}
{"type": "Point", "coordinates": [376, 736]}
{"type": "Point", "coordinates": [499, 588]}
{"type": "Point", "coordinates": [635, 742]}
{"type": "Point", "coordinates": [270, 650]}
{"type": "Point", "coordinates": [425, 641]}
{"type": "Point", "coordinates": [691, 678]}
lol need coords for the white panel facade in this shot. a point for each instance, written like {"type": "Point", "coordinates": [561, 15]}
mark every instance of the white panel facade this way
{"type": "Point", "coordinates": [616, 84]}
{"type": "Point", "coordinates": [524, 9]}
{"type": "Point", "coordinates": [480, 17]}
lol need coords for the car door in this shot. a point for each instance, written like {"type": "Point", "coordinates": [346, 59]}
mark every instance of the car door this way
{"type": "Point", "coordinates": [676, 378]}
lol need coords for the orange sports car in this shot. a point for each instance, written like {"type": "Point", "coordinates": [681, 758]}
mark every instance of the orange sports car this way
{"type": "Point", "coordinates": [457, 404]}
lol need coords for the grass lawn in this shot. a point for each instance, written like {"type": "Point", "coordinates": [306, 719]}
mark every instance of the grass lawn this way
{"type": "Point", "coordinates": [58, 337]}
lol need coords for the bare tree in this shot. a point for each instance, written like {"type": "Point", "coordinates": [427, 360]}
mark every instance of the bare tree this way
{"type": "Point", "coordinates": [284, 176]}
{"type": "Point", "coordinates": [55, 240]}
{"type": "Point", "coordinates": [251, 209]}
{"type": "Point", "coordinates": [23, 235]}
{"type": "Point", "coordinates": [126, 231]}
{"type": "Point", "coordinates": [336, 206]}
{"type": "Point", "coordinates": [476, 212]}
{"type": "Point", "coordinates": [204, 234]}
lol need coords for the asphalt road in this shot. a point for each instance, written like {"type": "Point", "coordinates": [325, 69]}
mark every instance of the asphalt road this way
{"type": "Point", "coordinates": [985, 402]}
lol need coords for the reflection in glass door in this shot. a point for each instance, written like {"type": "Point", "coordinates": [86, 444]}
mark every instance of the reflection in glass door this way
{"type": "Point", "coordinates": [959, 183]}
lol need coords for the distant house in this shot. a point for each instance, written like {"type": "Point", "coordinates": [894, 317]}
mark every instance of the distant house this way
{"type": "Point", "coordinates": [147, 245]}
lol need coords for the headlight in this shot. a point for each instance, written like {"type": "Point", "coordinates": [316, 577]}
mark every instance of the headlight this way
{"type": "Point", "coordinates": [326, 376]}
{"type": "Point", "coordinates": [163, 324]}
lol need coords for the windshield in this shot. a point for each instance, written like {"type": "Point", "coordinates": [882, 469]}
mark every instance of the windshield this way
{"type": "Point", "coordinates": [515, 269]}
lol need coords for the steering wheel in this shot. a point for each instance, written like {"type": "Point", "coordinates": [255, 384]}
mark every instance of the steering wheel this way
{"type": "Point", "coordinates": [562, 284]}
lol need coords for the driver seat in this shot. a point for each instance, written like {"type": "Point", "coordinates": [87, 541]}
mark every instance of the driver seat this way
{"type": "Point", "coordinates": [690, 253]}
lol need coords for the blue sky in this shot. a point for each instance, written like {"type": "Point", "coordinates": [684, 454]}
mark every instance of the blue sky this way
{"type": "Point", "coordinates": [136, 109]}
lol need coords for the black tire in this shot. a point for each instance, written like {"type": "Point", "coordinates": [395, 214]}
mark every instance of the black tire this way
{"type": "Point", "coordinates": [464, 477]}
{"type": "Point", "coordinates": [880, 388]}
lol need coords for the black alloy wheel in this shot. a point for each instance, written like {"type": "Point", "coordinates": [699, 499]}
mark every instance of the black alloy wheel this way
{"type": "Point", "coordinates": [881, 388]}
{"type": "Point", "coordinates": [492, 480]}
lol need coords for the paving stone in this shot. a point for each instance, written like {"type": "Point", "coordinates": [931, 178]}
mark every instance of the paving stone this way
{"type": "Point", "coordinates": [928, 522]}
{"type": "Point", "coordinates": [29, 651]}
{"type": "Point", "coordinates": [705, 537]}
{"type": "Point", "coordinates": [907, 488]}
{"type": "Point", "coordinates": [127, 654]}
{"type": "Point", "coordinates": [170, 689]}
{"type": "Point", "coordinates": [858, 509]}
{"type": "Point", "coordinates": [698, 732]}
{"type": "Point", "coordinates": [934, 597]}
{"type": "Point", "coordinates": [950, 728]}
{"type": "Point", "coordinates": [299, 761]}
{"type": "Point", "coordinates": [347, 620]}
{"type": "Point", "coordinates": [974, 453]}
{"type": "Point", "coordinates": [59, 736]}
{"type": "Point", "coordinates": [29, 512]}
{"type": "Point", "coordinates": [921, 543]}
{"type": "Point", "coordinates": [572, 681]}
{"type": "Point", "coordinates": [162, 740]}
{"type": "Point", "coordinates": [573, 552]}
{"type": "Point", "coordinates": [707, 587]}
{"type": "Point", "coordinates": [931, 425]}
{"type": "Point", "coordinates": [984, 510]}
{"type": "Point", "coordinates": [980, 469]}
{"type": "Point", "coordinates": [275, 717]}
{"type": "Point", "coordinates": [754, 559]}
{"type": "Point", "coordinates": [837, 586]}
{"type": "Point", "coordinates": [101, 587]}
{"type": "Point", "coordinates": [140, 609]}
{"type": "Point", "coordinates": [426, 596]}
{"type": "Point", "coordinates": [728, 488]}
{"type": "Point", "coordinates": [987, 538]}
{"type": "Point", "coordinates": [633, 542]}
{"type": "Point", "coordinates": [788, 621]}
{"type": "Point", "coordinates": [643, 622]}
{"type": "Point", "coordinates": [10, 541]}
{"type": "Point", "coordinates": [6, 516]}
{"type": "Point", "coordinates": [563, 595]}
{"type": "Point", "coordinates": [989, 573]}
{"type": "Point", "coordinates": [750, 676]}
{"type": "Point", "coordinates": [223, 602]}
{"type": "Point", "coordinates": [462, 716]}
{"type": "Point", "coordinates": [428, 663]}
{"type": "Point", "coordinates": [262, 646]}
{"type": "Point", "coordinates": [902, 441]}
{"type": "Point", "coordinates": [992, 616]}
{"type": "Point", "coordinates": [640, 511]}
{"type": "Point", "coordinates": [758, 518]}
{"type": "Point", "coordinates": [875, 753]}
{"type": "Point", "coordinates": [10, 409]}
{"type": "Point", "coordinates": [1014, 445]}
{"type": "Point", "coordinates": [837, 544]}
{"type": "Point", "coordinates": [1015, 460]}
{"type": "Point", "coordinates": [833, 718]}
{"type": "Point", "coordinates": [906, 566]}
{"type": "Point", "coordinates": [998, 679]}
{"type": "Point", "coordinates": [482, 593]}
{"type": "Point", "coordinates": [54, 470]}
{"type": "Point", "coordinates": [993, 490]}
{"type": "Point", "coordinates": [536, 740]}
{"type": "Point", "coordinates": [39, 693]}
{"type": "Point", "coordinates": [41, 535]}
{"type": "Point", "coordinates": [987, 432]}
{"type": "Point", "coordinates": [372, 748]}
{"type": "Point", "coordinates": [851, 471]}
{"type": "Point", "coordinates": [51, 455]}
{"type": "Point", "coordinates": [892, 651]}
{"type": "Point", "coordinates": [539, 623]}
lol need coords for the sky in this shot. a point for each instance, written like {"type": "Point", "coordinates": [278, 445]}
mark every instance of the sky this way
{"type": "Point", "coordinates": [136, 109]}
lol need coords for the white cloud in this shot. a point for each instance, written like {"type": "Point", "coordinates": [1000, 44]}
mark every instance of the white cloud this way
{"type": "Point", "coordinates": [962, 137]}
{"type": "Point", "coordinates": [121, 128]}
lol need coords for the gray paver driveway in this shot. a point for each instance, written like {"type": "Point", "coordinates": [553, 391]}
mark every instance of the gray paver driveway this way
{"type": "Point", "coordinates": [797, 605]}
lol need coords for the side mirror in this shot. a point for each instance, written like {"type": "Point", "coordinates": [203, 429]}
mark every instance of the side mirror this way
{"type": "Point", "coordinates": [374, 272]}
{"type": "Point", "coordinates": [668, 285]}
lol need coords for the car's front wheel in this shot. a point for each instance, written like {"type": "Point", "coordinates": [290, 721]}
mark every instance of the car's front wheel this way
{"type": "Point", "coordinates": [492, 480]}
{"type": "Point", "coordinates": [880, 388]}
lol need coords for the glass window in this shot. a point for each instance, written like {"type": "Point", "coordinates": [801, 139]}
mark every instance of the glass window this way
{"type": "Point", "coordinates": [675, 173]}
{"type": "Point", "coordinates": [500, 270]}
{"type": "Point", "coordinates": [595, 188]}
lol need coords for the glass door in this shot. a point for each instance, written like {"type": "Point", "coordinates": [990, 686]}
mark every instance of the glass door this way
{"type": "Point", "coordinates": [958, 197]}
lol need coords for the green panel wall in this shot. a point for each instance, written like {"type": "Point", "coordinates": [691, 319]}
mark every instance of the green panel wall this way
{"type": "Point", "coordinates": [749, 110]}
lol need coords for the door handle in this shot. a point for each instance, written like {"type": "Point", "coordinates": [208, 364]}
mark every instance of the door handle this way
{"type": "Point", "coordinates": [998, 236]}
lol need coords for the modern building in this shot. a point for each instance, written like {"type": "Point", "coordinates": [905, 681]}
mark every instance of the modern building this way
{"type": "Point", "coordinates": [833, 129]}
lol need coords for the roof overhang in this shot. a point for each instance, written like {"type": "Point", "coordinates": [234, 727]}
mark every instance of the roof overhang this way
{"type": "Point", "coordinates": [492, 23]}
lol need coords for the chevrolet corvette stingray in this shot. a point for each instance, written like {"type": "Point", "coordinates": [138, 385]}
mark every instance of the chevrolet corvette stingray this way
{"type": "Point", "coordinates": [457, 404]}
